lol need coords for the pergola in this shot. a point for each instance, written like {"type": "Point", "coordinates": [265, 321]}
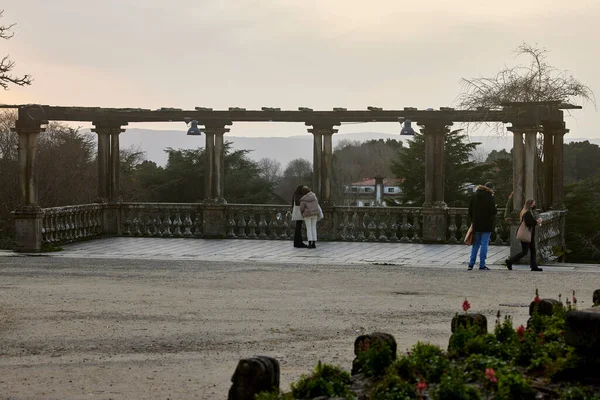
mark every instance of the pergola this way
{"type": "Point", "coordinates": [526, 119]}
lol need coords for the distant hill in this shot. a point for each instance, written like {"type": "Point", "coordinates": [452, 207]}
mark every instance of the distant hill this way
{"type": "Point", "coordinates": [154, 142]}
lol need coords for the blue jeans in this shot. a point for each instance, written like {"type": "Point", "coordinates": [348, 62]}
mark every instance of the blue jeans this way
{"type": "Point", "coordinates": [482, 239]}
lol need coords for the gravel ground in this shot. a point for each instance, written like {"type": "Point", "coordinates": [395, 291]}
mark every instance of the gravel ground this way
{"type": "Point", "coordinates": [130, 329]}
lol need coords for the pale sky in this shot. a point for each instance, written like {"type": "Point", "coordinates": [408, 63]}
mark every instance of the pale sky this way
{"type": "Point", "coordinates": [288, 53]}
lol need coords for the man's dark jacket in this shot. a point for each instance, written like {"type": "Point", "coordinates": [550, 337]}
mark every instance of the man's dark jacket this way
{"type": "Point", "coordinates": [482, 209]}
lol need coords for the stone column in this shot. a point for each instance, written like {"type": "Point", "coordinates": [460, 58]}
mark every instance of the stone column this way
{"type": "Point", "coordinates": [530, 158]}
{"type": "Point", "coordinates": [434, 208]}
{"type": "Point", "coordinates": [215, 155]}
{"type": "Point", "coordinates": [209, 163]}
{"type": "Point", "coordinates": [109, 172]}
{"type": "Point", "coordinates": [548, 167]}
{"type": "Point", "coordinates": [558, 189]}
{"type": "Point", "coordinates": [214, 223]}
{"type": "Point", "coordinates": [317, 160]}
{"type": "Point", "coordinates": [323, 161]}
{"type": "Point", "coordinates": [28, 216]}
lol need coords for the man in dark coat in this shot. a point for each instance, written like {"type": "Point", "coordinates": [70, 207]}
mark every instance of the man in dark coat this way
{"type": "Point", "coordinates": [482, 211]}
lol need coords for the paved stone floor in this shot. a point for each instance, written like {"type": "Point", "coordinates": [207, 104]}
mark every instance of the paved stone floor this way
{"type": "Point", "coordinates": [280, 252]}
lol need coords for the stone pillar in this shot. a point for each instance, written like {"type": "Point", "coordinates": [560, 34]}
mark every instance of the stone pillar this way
{"type": "Point", "coordinates": [558, 189]}
{"type": "Point", "coordinates": [317, 160]}
{"type": "Point", "coordinates": [109, 160]}
{"type": "Point", "coordinates": [323, 161]}
{"type": "Point", "coordinates": [548, 168]}
{"type": "Point", "coordinates": [109, 172]}
{"type": "Point", "coordinates": [530, 158]}
{"type": "Point", "coordinates": [434, 208]}
{"type": "Point", "coordinates": [209, 163]}
{"type": "Point", "coordinates": [215, 161]}
{"type": "Point", "coordinates": [28, 216]}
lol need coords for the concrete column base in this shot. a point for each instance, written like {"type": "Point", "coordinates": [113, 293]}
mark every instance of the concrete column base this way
{"type": "Point", "coordinates": [214, 222]}
{"type": "Point", "coordinates": [435, 224]}
{"type": "Point", "coordinates": [28, 229]}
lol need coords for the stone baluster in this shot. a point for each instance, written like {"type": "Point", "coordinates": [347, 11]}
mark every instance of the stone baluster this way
{"type": "Point", "coordinates": [404, 227]}
{"type": "Point", "coordinates": [359, 226]}
{"type": "Point", "coordinates": [177, 225]}
{"type": "Point", "coordinates": [273, 225]}
{"type": "Point", "coordinates": [136, 231]}
{"type": "Point", "coordinates": [370, 227]}
{"type": "Point", "coordinates": [187, 225]}
{"type": "Point", "coordinates": [382, 226]}
{"type": "Point", "coordinates": [231, 225]}
{"type": "Point", "coordinates": [452, 226]}
{"type": "Point", "coordinates": [262, 226]}
{"type": "Point", "coordinates": [252, 226]}
{"type": "Point", "coordinates": [394, 228]}
{"type": "Point", "coordinates": [343, 226]}
{"type": "Point", "coordinates": [52, 228]}
{"type": "Point", "coordinates": [416, 226]}
{"type": "Point", "coordinates": [354, 228]}
{"type": "Point", "coordinates": [167, 224]}
{"type": "Point", "coordinates": [198, 225]}
{"type": "Point", "coordinates": [464, 227]}
{"type": "Point", "coordinates": [241, 225]}
{"type": "Point", "coordinates": [147, 225]}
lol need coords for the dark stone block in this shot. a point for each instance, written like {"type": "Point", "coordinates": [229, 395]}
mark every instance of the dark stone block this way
{"type": "Point", "coordinates": [545, 306]}
{"type": "Point", "coordinates": [252, 376]}
{"type": "Point", "coordinates": [364, 342]}
{"type": "Point", "coordinates": [583, 331]}
{"type": "Point", "coordinates": [596, 298]}
{"type": "Point", "coordinates": [466, 320]}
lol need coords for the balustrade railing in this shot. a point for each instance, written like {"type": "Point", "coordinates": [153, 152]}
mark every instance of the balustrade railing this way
{"type": "Point", "coordinates": [249, 221]}
{"type": "Point", "coordinates": [71, 223]}
{"type": "Point", "coordinates": [161, 220]}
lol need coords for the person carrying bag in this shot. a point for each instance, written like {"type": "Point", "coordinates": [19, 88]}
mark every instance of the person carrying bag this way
{"type": "Point", "coordinates": [526, 235]}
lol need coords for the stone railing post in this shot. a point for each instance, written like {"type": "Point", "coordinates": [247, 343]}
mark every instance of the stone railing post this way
{"type": "Point", "coordinates": [28, 216]}
{"type": "Point", "coordinates": [109, 172]}
{"type": "Point", "coordinates": [434, 208]}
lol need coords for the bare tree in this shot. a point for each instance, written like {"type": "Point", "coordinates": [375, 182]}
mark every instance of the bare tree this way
{"type": "Point", "coordinates": [6, 65]}
{"type": "Point", "coordinates": [537, 81]}
{"type": "Point", "coordinates": [270, 169]}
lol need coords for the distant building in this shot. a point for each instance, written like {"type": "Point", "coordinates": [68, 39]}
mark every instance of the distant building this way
{"type": "Point", "coordinates": [372, 192]}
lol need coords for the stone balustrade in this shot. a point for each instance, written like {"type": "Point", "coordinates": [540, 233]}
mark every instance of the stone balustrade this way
{"type": "Point", "coordinates": [251, 221]}
{"type": "Point", "coordinates": [71, 223]}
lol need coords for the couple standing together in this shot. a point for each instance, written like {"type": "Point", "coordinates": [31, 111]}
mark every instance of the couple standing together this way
{"type": "Point", "coordinates": [482, 211]}
{"type": "Point", "coordinates": [305, 207]}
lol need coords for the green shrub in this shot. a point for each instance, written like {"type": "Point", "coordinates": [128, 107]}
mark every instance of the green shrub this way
{"type": "Point", "coordinates": [392, 387]}
{"type": "Point", "coordinates": [513, 386]}
{"type": "Point", "coordinates": [453, 387]}
{"type": "Point", "coordinates": [275, 395]}
{"type": "Point", "coordinates": [327, 380]}
{"type": "Point", "coordinates": [374, 360]}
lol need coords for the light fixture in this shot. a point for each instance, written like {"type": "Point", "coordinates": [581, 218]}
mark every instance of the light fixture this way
{"type": "Point", "coordinates": [194, 130]}
{"type": "Point", "coordinates": [407, 129]}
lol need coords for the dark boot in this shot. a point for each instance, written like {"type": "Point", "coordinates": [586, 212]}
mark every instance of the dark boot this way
{"type": "Point", "coordinates": [536, 268]}
{"type": "Point", "coordinates": [311, 245]}
{"type": "Point", "coordinates": [508, 264]}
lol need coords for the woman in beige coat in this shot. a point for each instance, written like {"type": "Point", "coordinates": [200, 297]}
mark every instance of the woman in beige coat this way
{"type": "Point", "coordinates": [311, 211]}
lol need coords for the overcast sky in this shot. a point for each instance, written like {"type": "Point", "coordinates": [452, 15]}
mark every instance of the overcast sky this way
{"type": "Point", "coordinates": [288, 53]}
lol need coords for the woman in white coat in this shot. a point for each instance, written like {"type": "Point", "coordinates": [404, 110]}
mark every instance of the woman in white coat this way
{"type": "Point", "coordinates": [311, 211]}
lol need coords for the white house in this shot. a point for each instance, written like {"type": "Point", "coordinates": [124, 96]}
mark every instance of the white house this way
{"type": "Point", "coordinates": [372, 192]}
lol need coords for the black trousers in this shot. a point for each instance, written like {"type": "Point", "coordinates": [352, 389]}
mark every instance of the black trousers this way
{"type": "Point", "coordinates": [298, 235]}
{"type": "Point", "coordinates": [525, 247]}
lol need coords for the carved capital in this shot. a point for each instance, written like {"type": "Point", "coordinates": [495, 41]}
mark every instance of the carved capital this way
{"type": "Point", "coordinates": [322, 127]}
{"type": "Point", "coordinates": [520, 129]}
{"type": "Point", "coordinates": [435, 126]}
{"type": "Point", "coordinates": [29, 126]}
{"type": "Point", "coordinates": [216, 127]}
{"type": "Point", "coordinates": [555, 128]}
{"type": "Point", "coordinates": [108, 127]}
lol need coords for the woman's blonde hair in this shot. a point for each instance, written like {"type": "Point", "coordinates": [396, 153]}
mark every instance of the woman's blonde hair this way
{"type": "Point", "coordinates": [526, 207]}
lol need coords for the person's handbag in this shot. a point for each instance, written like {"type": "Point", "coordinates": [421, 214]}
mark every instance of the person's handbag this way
{"type": "Point", "coordinates": [524, 233]}
{"type": "Point", "coordinates": [320, 214]}
{"type": "Point", "coordinates": [470, 236]}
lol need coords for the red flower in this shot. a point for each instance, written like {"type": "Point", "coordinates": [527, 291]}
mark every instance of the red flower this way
{"type": "Point", "coordinates": [466, 305]}
{"type": "Point", "coordinates": [491, 375]}
{"type": "Point", "coordinates": [574, 298]}
{"type": "Point", "coordinates": [521, 332]}
{"type": "Point", "coordinates": [421, 386]}
{"type": "Point", "coordinates": [537, 299]}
